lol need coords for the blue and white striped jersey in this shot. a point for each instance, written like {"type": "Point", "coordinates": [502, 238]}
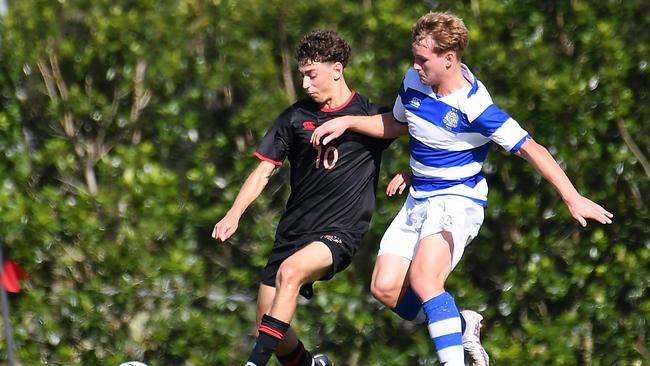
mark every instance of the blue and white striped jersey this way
{"type": "Point", "coordinates": [450, 136]}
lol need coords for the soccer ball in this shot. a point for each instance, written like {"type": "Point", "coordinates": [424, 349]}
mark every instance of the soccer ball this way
{"type": "Point", "coordinates": [133, 363]}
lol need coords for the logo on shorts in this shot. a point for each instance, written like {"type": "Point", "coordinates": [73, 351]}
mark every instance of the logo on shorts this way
{"type": "Point", "coordinates": [415, 102]}
{"type": "Point", "coordinates": [333, 238]}
{"type": "Point", "coordinates": [451, 120]}
{"type": "Point", "coordinates": [308, 125]}
{"type": "Point", "coordinates": [447, 221]}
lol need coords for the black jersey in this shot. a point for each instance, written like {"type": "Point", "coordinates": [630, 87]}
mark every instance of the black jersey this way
{"type": "Point", "coordinates": [332, 186]}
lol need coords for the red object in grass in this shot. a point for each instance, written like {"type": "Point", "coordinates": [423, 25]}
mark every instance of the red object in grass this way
{"type": "Point", "coordinates": [12, 273]}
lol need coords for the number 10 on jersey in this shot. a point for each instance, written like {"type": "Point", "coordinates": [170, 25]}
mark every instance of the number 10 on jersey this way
{"type": "Point", "coordinates": [329, 158]}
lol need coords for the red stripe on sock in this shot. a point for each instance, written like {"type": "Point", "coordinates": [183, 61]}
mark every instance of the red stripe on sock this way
{"type": "Point", "coordinates": [270, 331]}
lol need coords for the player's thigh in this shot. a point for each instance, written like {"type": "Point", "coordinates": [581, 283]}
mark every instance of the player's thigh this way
{"type": "Point", "coordinates": [389, 275]}
{"type": "Point", "coordinates": [459, 216]}
{"type": "Point", "coordinates": [432, 264]}
{"type": "Point", "coordinates": [401, 237]}
{"type": "Point", "coordinates": [309, 264]}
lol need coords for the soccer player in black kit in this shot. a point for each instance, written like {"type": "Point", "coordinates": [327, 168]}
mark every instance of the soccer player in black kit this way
{"type": "Point", "coordinates": [331, 202]}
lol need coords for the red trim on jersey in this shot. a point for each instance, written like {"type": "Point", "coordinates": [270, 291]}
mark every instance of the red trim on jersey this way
{"type": "Point", "coordinates": [324, 109]}
{"type": "Point", "coordinates": [270, 331]}
{"type": "Point", "coordinates": [262, 157]}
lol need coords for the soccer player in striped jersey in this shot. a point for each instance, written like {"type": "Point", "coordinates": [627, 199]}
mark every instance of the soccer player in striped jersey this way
{"type": "Point", "coordinates": [331, 202]}
{"type": "Point", "coordinates": [451, 121]}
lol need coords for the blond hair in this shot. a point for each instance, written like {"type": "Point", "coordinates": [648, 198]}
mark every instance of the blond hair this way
{"type": "Point", "coordinates": [446, 30]}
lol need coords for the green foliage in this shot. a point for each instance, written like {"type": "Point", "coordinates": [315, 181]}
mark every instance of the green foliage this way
{"type": "Point", "coordinates": [127, 129]}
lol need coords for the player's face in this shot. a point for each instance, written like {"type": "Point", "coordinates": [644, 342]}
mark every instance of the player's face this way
{"type": "Point", "coordinates": [430, 66]}
{"type": "Point", "coordinates": [319, 79]}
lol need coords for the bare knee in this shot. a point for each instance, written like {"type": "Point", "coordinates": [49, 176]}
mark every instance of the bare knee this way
{"type": "Point", "coordinates": [426, 284]}
{"type": "Point", "coordinates": [385, 291]}
{"type": "Point", "coordinates": [289, 277]}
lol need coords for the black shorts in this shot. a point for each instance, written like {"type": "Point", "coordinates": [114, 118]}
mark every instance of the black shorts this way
{"type": "Point", "coordinates": [342, 245]}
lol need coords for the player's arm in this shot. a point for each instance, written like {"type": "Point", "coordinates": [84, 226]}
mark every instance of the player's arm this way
{"type": "Point", "coordinates": [379, 125]}
{"type": "Point", "coordinates": [581, 208]}
{"type": "Point", "coordinates": [252, 188]}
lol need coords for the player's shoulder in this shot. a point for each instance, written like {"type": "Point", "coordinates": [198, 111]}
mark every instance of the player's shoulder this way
{"type": "Point", "coordinates": [475, 99]}
{"type": "Point", "coordinates": [412, 81]}
{"type": "Point", "coordinates": [360, 104]}
{"type": "Point", "coordinates": [477, 89]}
{"type": "Point", "coordinates": [304, 105]}
{"type": "Point", "coordinates": [361, 99]}
{"type": "Point", "coordinates": [411, 78]}
{"type": "Point", "coordinates": [299, 110]}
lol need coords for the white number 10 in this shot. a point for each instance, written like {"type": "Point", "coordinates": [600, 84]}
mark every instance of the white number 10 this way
{"type": "Point", "coordinates": [330, 157]}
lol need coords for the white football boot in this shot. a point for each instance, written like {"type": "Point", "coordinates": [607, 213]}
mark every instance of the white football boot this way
{"type": "Point", "coordinates": [472, 338]}
{"type": "Point", "coordinates": [321, 360]}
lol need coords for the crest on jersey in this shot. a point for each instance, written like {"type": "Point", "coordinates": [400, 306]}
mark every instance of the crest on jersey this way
{"type": "Point", "coordinates": [308, 125]}
{"type": "Point", "coordinates": [451, 120]}
{"type": "Point", "coordinates": [415, 102]}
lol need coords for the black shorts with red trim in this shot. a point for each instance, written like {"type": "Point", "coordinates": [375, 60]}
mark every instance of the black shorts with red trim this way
{"type": "Point", "coordinates": [342, 245]}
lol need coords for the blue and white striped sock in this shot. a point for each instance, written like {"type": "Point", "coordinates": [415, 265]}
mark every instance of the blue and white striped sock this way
{"type": "Point", "coordinates": [445, 329]}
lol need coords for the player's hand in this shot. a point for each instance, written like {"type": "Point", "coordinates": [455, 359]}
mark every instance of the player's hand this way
{"type": "Point", "coordinates": [398, 184]}
{"type": "Point", "coordinates": [582, 208]}
{"type": "Point", "coordinates": [225, 227]}
{"type": "Point", "coordinates": [329, 130]}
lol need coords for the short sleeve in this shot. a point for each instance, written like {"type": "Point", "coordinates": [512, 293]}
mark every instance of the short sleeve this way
{"type": "Point", "coordinates": [490, 121]}
{"type": "Point", "coordinates": [399, 112]}
{"type": "Point", "coordinates": [499, 127]}
{"type": "Point", "coordinates": [277, 141]}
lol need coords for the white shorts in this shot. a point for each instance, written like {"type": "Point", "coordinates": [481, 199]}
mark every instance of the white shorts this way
{"type": "Point", "coordinates": [420, 218]}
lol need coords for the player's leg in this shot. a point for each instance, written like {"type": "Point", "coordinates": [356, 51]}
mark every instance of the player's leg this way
{"type": "Point", "coordinates": [389, 285]}
{"type": "Point", "coordinates": [429, 270]}
{"type": "Point", "coordinates": [292, 275]}
{"type": "Point", "coordinates": [450, 224]}
{"type": "Point", "coordinates": [306, 265]}
{"type": "Point", "coordinates": [387, 279]}
{"type": "Point", "coordinates": [290, 350]}
{"type": "Point", "coordinates": [389, 282]}
{"type": "Point", "coordinates": [264, 300]}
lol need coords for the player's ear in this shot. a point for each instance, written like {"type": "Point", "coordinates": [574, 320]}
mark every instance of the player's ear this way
{"type": "Point", "coordinates": [450, 59]}
{"type": "Point", "coordinates": [337, 70]}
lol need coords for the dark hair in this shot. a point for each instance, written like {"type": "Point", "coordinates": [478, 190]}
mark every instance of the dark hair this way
{"type": "Point", "coordinates": [322, 46]}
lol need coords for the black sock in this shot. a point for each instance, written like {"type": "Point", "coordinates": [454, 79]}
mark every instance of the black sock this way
{"type": "Point", "coordinates": [298, 357]}
{"type": "Point", "coordinates": [271, 333]}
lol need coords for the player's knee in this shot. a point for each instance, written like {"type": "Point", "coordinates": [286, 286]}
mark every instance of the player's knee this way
{"type": "Point", "coordinates": [289, 276]}
{"type": "Point", "coordinates": [424, 283]}
{"type": "Point", "coordinates": [386, 292]}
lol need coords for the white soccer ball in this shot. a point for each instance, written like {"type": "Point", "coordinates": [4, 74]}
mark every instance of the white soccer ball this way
{"type": "Point", "coordinates": [133, 363]}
